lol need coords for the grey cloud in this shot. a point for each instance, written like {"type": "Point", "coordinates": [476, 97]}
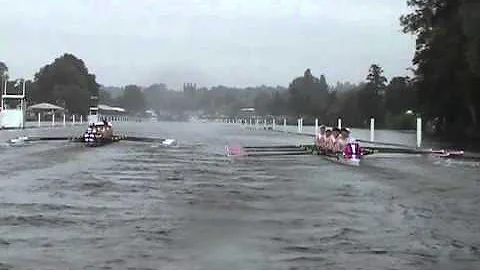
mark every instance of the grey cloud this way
{"type": "Point", "coordinates": [210, 42]}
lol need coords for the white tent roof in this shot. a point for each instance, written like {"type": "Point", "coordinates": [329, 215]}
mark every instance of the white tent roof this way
{"type": "Point", "coordinates": [45, 106]}
{"type": "Point", "coordinates": [109, 108]}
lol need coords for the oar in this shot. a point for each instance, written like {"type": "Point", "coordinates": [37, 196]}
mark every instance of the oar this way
{"type": "Point", "coordinates": [266, 154]}
{"type": "Point", "coordinates": [273, 150]}
{"type": "Point", "coordinates": [139, 139]}
{"type": "Point", "coordinates": [33, 139]}
{"type": "Point", "coordinates": [272, 147]}
{"type": "Point", "coordinates": [373, 150]}
{"type": "Point", "coordinates": [383, 143]}
{"type": "Point", "coordinates": [166, 142]}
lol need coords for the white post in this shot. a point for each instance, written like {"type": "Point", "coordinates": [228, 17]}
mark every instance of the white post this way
{"type": "Point", "coordinates": [284, 124]}
{"type": "Point", "coordinates": [372, 129]}
{"type": "Point", "coordinates": [39, 120]}
{"type": "Point", "coordinates": [419, 132]}
{"type": "Point", "coordinates": [64, 120]}
{"type": "Point", "coordinates": [339, 125]}
{"type": "Point", "coordinates": [301, 124]}
{"type": "Point", "coordinates": [73, 119]}
{"type": "Point", "coordinates": [298, 125]}
{"type": "Point", "coordinates": [316, 126]}
{"type": "Point", "coordinates": [250, 121]}
{"type": "Point", "coordinates": [81, 119]}
{"type": "Point", "coordinates": [53, 119]}
{"type": "Point", "coordinates": [274, 124]}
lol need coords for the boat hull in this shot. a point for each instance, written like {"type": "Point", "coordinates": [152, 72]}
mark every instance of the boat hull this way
{"type": "Point", "coordinates": [335, 157]}
{"type": "Point", "coordinates": [98, 142]}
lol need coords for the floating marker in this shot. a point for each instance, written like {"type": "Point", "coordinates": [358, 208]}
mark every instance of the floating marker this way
{"type": "Point", "coordinates": [419, 132]}
{"type": "Point", "coordinates": [372, 129]}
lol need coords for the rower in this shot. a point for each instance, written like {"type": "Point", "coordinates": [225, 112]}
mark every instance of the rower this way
{"type": "Point", "coordinates": [342, 140]}
{"type": "Point", "coordinates": [328, 133]}
{"type": "Point", "coordinates": [321, 136]}
{"type": "Point", "coordinates": [332, 139]}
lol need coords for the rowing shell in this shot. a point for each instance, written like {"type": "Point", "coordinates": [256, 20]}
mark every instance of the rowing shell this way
{"type": "Point", "coordinates": [335, 157]}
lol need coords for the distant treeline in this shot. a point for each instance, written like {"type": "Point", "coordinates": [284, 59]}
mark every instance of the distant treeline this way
{"type": "Point", "coordinates": [445, 88]}
{"type": "Point", "coordinates": [392, 104]}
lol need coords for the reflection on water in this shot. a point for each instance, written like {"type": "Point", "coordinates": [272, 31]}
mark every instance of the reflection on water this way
{"type": "Point", "coordinates": [144, 206]}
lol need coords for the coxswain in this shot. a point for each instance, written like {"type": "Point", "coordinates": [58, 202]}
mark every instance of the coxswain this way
{"type": "Point", "coordinates": [321, 136]}
{"type": "Point", "coordinates": [351, 148]}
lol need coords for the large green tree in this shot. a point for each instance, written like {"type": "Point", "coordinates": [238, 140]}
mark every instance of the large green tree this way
{"type": "Point", "coordinates": [3, 68]}
{"type": "Point", "coordinates": [308, 95]}
{"type": "Point", "coordinates": [65, 82]}
{"type": "Point", "coordinates": [133, 99]}
{"type": "Point", "coordinates": [400, 96]}
{"type": "Point", "coordinates": [3, 75]}
{"type": "Point", "coordinates": [447, 60]}
{"type": "Point", "coordinates": [370, 99]}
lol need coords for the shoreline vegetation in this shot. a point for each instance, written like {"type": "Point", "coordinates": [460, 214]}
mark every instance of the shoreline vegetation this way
{"type": "Point", "coordinates": [444, 88]}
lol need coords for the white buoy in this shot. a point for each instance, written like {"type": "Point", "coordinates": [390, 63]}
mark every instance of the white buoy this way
{"type": "Point", "coordinates": [39, 120]}
{"type": "Point", "coordinates": [372, 129]}
{"type": "Point", "coordinates": [64, 120]}
{"type": "Point", "coordinates": [419, 132]}
{"type": "Point", "coordinates": [316, 126]}
{"type": "Point", "coordinates": [301, 124]}
{"type": "Point", "coordinates": [339, 125]}
{"type": "Point", "coordinates": [169, 142]}
{"type": "Point", "coordinates": [298, 125]}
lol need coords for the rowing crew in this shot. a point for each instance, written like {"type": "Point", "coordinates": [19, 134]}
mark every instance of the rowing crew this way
{"type": "Point", "coordinates": [337, 140]}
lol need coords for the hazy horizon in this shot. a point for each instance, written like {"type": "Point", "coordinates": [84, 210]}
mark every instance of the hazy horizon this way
{"type": "Point", "coordinates": [210, 43]}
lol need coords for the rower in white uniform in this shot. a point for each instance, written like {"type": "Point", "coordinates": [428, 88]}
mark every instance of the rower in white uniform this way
{"type": "Point", "coordinates": [321, 137]}
{"type": "Point", "coordinates": [342, 140]}
{"type": "Point", "coordinates": [332, 140]}
{"type": "Point", "coordinates": [348, 145]}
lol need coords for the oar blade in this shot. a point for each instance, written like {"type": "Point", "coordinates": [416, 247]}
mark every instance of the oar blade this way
{"type": "Point", "coordinates": [147, 139]}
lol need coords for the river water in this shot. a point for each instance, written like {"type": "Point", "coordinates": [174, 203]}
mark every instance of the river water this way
{"type": "Point", "coordinates": [133, 205]}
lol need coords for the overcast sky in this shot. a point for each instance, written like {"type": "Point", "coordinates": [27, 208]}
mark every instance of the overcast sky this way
{"type": "Point", "coordinates": [210, 42]}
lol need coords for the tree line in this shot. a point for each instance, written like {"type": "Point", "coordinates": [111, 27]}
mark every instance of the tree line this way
{"type": "Point", "coordinates": [66, 82]}
{"type": "Point", "coordinates": [444, 89]}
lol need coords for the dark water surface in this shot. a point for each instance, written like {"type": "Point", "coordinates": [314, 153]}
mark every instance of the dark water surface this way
{"type": "Point", "coordinates": [142, 206]}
